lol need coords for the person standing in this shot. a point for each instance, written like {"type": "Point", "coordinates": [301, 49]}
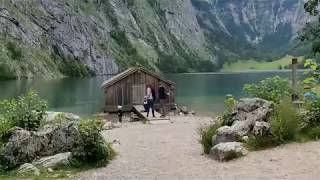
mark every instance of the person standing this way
{"type": "Point", "coordinates": [150, 100]}
{"type": "Point", "coordinates": [162, 97]}
{"type": "Point", "coordinates": [120, 113]}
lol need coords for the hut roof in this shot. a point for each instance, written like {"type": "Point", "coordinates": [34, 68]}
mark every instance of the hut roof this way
{"type": "Point", "coordinates": [130, 71]}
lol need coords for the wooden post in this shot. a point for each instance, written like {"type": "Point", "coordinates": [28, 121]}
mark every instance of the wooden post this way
{"type": "Point", "coordinates": [295, 93]}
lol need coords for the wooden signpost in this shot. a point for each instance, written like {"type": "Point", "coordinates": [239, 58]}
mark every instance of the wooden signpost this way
{"type": "Point", "coordinates": [295, 90]}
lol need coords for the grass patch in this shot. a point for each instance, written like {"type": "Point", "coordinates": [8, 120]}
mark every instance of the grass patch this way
{"type": "Point", "coordinates": [285, 122]}
{"type": "Point", "coordinates": [243, 65]}
{"type": "Point", "coordinates": [67, 173]}
{"type": "Point", "coordinates": [308, 134]}
{"type": "Point", "coordinates": [206, 134]}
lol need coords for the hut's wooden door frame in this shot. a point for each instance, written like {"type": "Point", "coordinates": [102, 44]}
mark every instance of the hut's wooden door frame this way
{"type": "Point", "coordinates": [138, 93]}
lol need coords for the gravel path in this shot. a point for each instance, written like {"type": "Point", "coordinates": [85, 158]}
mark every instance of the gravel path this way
{"type": "Point", "coordinates": [172, 151]}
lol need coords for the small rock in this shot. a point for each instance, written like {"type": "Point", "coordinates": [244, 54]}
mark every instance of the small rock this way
{"type": "Point", "coordinates": [28, 168]}
{"type": "Point", "coordinates": [117, 125]}
{"type": "Point", "coordinates": [115, 141]}
{"type": "Point", "coordinates": [50, 170]}
{"type": "Point", "coordinates": [193, 112]}
{"type": "Point", "coordinates": [261, 128]}
{"type": "Point", "coordinates": [102, 115]}
{"type": "Point", "coordinates": [54, 162]}
{"type": "Point", "coordinates": [107, 126]}
{"type": "Point", "coordinates": [228, 151]}
{"type": "Point", "coordinates": [184, 110]}
{"type": "Point", "coordinates": [134, 118]}
{"type": "Point", "coordinates": [110, 125]}
{"type": "Point", "coordinates": [245, 138]}
{"type": "Point", "coordinates": [52, 116]}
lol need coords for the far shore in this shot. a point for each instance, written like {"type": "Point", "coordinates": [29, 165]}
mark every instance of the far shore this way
{"type": "Point", "coordinates": [244, 71]}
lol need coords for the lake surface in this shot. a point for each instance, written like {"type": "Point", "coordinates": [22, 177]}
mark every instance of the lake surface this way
{"type": "Point", "coordinates": [203, 93]}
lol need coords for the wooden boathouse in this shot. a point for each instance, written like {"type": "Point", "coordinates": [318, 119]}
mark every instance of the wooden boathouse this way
{"type": "Point", "coordinates": [128, 89]}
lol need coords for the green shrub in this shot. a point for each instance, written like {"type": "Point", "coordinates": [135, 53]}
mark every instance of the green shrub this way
{"type": "Point", "coordinates": [93, 148]}
{"type": "Point", "coordinates": [261, 142]}
{"type": "Point", "coordinates": [284, 121]}
{"type": "Point", "coordinates": [229, 103]}
{"type": "Point", "coordinates": [272, 89]}
{"type": "Point", "coordinates": [26, 111]}
{"type": "Point", "coordinates": [312, 74]}
{"type": "Point", "coordinates": [5, 125]}
{"type": "Point", "coordinates": [312, 118]}
{"type": "Point", "coordinates": [314, 133]}
{"type": "Point", "coordinates": [206, 134]}
{"type": "Point", "coordinates": [309, 133]}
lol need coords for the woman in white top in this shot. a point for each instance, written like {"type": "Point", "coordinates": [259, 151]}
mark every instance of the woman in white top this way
{"type": "Point", "coordinates": [150, 100]}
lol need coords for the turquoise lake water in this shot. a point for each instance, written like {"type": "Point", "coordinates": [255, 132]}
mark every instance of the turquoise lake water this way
{"type": "Point", "coordinates": [203, 93]}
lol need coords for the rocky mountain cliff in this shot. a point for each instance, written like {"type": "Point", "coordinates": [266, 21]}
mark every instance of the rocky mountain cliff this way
{"type": "Point", "coordinates": [260, 29]}
{"type": "Point", "coordinates": [50, 38]}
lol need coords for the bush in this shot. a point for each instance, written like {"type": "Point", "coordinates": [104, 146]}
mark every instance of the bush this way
{"type": "Point", "coordinates": [206, 135]}
{"type": "Point", "coordinates": [93, 148]}
{"type": "Point", "coordinates": [26, 111]}
{"type": "Point", "coordinates": [314, 133]}
{"type": "Point", "coordinates": [5, 125]}
{"type": "Point", "coordinates": [261, 142]}
{"type": "Point", "coordinates": [284, 121]}
{"type": "Point", "coordinates": [312, 74]}
{"type": "Point", "coordinates": [229, 103]}
{"type": "Point", "coordinates": [312, 118]}
{"type": "Point", "coordinates": [272, 89]}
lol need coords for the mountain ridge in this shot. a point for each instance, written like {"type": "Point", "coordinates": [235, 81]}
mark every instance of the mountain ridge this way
{"type": "Point", "coordinates": [50, 38]}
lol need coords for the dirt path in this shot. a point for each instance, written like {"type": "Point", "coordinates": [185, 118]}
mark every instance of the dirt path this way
{"type": "Point", "coordinates": [172, 151]}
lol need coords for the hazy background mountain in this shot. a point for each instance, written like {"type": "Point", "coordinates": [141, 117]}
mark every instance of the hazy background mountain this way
{"type": "Point", "coordinates": [51, 38]}
{"type": "Point", "coordinates": [259, 29]}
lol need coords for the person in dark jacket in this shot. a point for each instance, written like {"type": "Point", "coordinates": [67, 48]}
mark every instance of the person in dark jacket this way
{"type": "Point", "coordinates": [120, 113]}
{"type": "Point", "coordinates": [162, 98]}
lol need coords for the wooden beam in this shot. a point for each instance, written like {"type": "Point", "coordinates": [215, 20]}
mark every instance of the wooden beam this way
{"type": "Point", "coordinates": [295, 91]}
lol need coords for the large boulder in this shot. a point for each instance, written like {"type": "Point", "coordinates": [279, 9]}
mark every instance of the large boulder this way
{"type": "Point", "coordinates": [249, 111]}
{"type": "Point", "coordinates": [54, 162]}
{"type": "Point", "coordinates": [228, 151]}
{"type": "Point", "coordinates": [248, 118]}
{"type": "Point", "coordinates": [224, 134]}
{"type": "Point", "coordinates": [24, 146]}
{"type": "Point", "coordinates": [252, 104]}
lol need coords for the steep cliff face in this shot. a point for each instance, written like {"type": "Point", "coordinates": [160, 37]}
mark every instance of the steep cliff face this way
{"type": "Point", "coordinates": [50, 38]}
{"type": "Point", "coordinates": [251, 28]}
{"type": "Point", "coordinates": [80, 37]}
